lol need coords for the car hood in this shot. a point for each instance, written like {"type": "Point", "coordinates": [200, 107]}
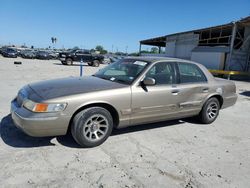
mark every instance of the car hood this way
{"type": "Point", "coordinates": [73, 85]}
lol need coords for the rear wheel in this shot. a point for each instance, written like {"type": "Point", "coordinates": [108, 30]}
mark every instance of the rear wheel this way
{"type": "Point", "coordinates": [92, 126]}
{"type": "Point", "coordinates": [69, 61]}
{"type": "Point", "coordinates": [96, 63]}
{"type": "Point", "coordinates": [210, 111]}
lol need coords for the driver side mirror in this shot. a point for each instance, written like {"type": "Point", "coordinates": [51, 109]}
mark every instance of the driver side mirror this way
{"type": "Point", "coordinates": [148, 81]}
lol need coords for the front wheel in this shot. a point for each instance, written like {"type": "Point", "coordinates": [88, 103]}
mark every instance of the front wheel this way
{"type": "Point", "coordinates": [92, 126]}
{"type": "Point", "coordinates": [210, 111]}
{"type": "Point", "coordinates": [90, 63]}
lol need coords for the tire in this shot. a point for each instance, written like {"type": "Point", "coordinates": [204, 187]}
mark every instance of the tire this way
{"type": "Point", "coordinates": [69, 61]}
{"type": "Point", "coordinates": [210, 111]}
{"type": "Point", "coordinates": [96, 63]}
{"type": "Point", "coordinates": [64, 62]}
{"type": "Point", "coordinates": [92, 126]}
{"type": "Point", "coordinates": [90, 63]}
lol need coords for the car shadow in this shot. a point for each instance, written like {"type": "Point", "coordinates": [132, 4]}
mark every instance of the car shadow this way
{"type": "Point", "coordinates": [74, 64]}
{"type": "Point", "coordinates": [245, 93]}
{"type": "Point", "coordinates": [144, 127]}
{"type": "Point", "coordinates": [14, 137]}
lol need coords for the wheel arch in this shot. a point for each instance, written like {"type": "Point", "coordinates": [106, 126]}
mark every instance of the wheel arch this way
{"type": "Point", "coordinates": [217, 96]}
{"type": "Point", "coordinates": [110, 108]}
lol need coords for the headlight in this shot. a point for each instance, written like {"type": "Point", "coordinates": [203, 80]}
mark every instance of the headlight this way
{"type": "Point", "coordinates": [43, 107]}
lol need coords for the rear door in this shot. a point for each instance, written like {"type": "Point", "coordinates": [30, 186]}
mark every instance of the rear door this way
{"type": "Point", "coordinates": [82, 55]}
{"type": "Point", "coordinates": [192, 86]}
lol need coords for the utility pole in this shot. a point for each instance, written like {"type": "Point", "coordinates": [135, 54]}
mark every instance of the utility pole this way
{"type": "Point", "coordinates": [234, 29]}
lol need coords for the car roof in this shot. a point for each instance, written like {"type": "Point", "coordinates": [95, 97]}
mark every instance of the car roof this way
{"type": "Point", "coordinates": [152, 59]}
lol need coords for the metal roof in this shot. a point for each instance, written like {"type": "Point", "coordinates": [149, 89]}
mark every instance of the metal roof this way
{"type": "Point", "coordinates": [161, 41]}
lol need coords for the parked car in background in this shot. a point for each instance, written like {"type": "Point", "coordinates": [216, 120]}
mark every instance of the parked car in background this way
{"type": "Point", "coordinates": [43, 55]}
{"type": "Point", "coordinates": [9, 52]}
{"type": "Point", "coordinates": [106, 60]}
{"type": "Point", "coordinates": [1, 49]}
{"type": "Point", "coordinates": [28, 54]}
{"type": "Point", "coordinates": [67, 58]}
{"type": "Point", "coordinates": [114, 59]}
{"type": "Point", "coordinates": [53, 54]}
{"type": "Point", "coordinates": [129, 92]}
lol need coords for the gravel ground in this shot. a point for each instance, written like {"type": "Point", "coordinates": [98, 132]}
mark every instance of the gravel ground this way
{"type": "Point", "coordinates": [180, 153]}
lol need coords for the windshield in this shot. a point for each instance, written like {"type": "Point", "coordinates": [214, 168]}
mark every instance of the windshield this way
{"type": "Point", "coordinates": [11, 50]}
{"type": "Point", "coordinates": [123, 71]}
{"type": "Point", "coordinates": [42, 53]}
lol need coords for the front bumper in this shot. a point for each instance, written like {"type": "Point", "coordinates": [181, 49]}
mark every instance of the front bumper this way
{"type": "Point", "coordinates": [39, 124]}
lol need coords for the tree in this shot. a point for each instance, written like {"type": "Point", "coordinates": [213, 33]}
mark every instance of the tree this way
{"type": "Point", "coordinates": [92, 50]}
{"type": "Point", "coordinates": [154, 50]}
{"type": "Point", "coordinates": [99, 48]}
{"type": "Point", "coordinates": [76, 48]}
{"type": "Point", "coordinates": [103, 52]}
{"type": "Point", "coordinates": [134, 54]}
{"type": "Point", "coordinates": [144, 52]}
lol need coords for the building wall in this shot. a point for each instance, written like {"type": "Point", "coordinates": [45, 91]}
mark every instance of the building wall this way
{"type": "Point", "coordinates": [184, 51]}
{"type": "Point", "coordinates": [181, 45]}
{"type": "Point", "coordinates": [170, 49]}
{"type": "Point", "coordinates": [211, 60]}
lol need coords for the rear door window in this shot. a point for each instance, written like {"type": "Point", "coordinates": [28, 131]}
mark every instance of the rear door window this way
{"type": "Point", "coordinates": [190, 73]}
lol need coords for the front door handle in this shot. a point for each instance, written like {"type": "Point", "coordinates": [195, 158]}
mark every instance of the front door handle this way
{"type": "Point", "coordinates": [175, 91]}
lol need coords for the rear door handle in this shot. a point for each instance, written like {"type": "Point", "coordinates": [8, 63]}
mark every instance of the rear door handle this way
{"type": "Point", "coordinates": [175, 91]}
{"type": "Point", "coordinates": [205, 90]}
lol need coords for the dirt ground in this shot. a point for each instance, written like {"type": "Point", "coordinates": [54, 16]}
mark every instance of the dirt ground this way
{"type": "Point", "coordinates": [181, 153]}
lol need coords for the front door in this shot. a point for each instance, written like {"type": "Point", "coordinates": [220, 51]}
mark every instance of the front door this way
{"type": "Point", "coordinates": [158, 102]}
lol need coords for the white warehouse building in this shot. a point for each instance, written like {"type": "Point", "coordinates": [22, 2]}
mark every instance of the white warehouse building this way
{"type": "Point", "coordinates": [223, 47]}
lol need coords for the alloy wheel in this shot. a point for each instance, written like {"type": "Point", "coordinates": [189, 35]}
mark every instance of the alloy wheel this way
{"type": "Point", "coordinates": [212, 110]}
{"type": "Point", "coordinates": [95, 128]}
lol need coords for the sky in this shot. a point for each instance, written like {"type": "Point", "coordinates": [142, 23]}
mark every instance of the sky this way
{"type": "Point", "coordinates": [114, 24]}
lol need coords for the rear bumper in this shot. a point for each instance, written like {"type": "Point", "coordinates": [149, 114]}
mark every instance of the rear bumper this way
{"type": "Point", "coordinates": [39, 124]}
{"type": "Point", "coordinates": [229, 101]}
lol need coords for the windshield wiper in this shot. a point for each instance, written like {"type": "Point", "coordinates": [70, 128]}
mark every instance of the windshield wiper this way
{"type": "Point", "coordinates": [120, 81]}
{"type": "Point", "coordinates": [104, 78]}
{"type": "Point", "coordinates": [112, 79]}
